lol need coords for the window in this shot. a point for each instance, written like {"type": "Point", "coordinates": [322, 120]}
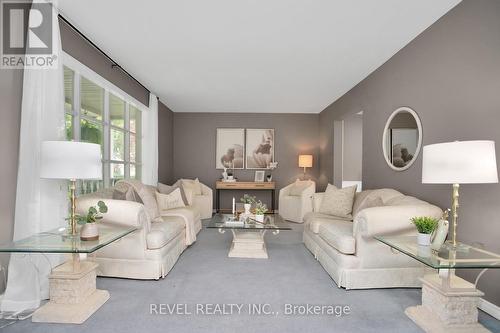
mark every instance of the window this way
{"type": "Point", "coordinates": [97, 112]}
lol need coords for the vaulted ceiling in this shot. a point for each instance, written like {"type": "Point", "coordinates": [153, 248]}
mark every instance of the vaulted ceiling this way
{"type": "Point", "coordinates": [252, 56]}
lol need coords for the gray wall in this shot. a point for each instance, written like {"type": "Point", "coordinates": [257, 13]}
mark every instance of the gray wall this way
{"type": "Point", "coordinates": [450, 75]}
{"type": "Point", "coordinates": [195, 137]}
{"type": "Point", "coordinates": [353, 147]}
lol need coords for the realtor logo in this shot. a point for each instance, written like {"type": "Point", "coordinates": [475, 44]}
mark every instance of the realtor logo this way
{"type": "Point", "coordinates": [27, 36]}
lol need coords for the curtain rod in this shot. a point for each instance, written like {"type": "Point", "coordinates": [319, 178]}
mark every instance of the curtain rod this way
{"type": "Point", "coordinates": [114, 64]}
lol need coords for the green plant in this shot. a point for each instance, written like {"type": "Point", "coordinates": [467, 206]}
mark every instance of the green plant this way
{"type": "Point", "coordinates": [93, 213]}
{"type": "Point", "coordinates": [248, 199]}
{"type": "Point", "coordinates": [425, 224]}
{"type": "Point", "coordinates": [260, 208]}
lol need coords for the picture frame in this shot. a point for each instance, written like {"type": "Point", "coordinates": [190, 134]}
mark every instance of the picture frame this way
{"type": "Point", "coordinates": [259, 176]}
{"type": "Point", "coordinates": [259, 148]}
{"type": "Point", "coordinates": [230, 148]}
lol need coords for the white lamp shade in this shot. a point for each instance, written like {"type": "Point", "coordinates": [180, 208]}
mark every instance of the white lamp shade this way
{"type": "Point", "coordinates": [305, 161]}
{"type": "Point", "coordinates": [460, 162]}
{"type": "Point", "coordinates": [70, 160]}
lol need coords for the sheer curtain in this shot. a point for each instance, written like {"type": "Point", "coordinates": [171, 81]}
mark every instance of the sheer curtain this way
{"type": "Point", "coordinates": [41, 204]}
{"type": "Point", "coordinates": [150, 143]}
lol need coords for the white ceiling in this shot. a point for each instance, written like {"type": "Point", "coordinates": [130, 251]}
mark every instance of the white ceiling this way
{"type": "Point", "coordinates": [252, 56]}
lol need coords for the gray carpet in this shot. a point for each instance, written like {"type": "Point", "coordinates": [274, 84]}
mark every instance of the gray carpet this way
{"type": "Point", "coordinates": [204, 274]}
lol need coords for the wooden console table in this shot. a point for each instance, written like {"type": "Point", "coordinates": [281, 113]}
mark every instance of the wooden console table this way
{"type": "Point", "coordinates": [267, 186]}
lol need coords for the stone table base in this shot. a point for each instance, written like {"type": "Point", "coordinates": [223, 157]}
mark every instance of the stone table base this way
{"type": "Point", "coordinates": [446, 308]}
{"type": "Point", "coordinates": [248, 244]}
{"type": "Point", "coordinates": [73, 294]}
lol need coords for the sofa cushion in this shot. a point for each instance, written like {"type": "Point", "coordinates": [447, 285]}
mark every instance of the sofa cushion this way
{"type": "Point", "coordinates": [338, 202]}
{"type": "Point", "coordinates": [315, 220]}
{"type": "Point", "coordinates": [338, 234]}
{"type": "Point", "coordinates": [163, 232]}
{"type": "Point", "coordinates": [373, 198]}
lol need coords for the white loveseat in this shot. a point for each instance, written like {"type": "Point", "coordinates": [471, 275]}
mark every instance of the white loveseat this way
{"type": "Point", "coordinates": [147, 253]}
{"type": "Point", "coordinates": [295, 200]}
{"type": "Point", "coordinates": [348, 250]}
{"type": "Point", "coordinates": [202, 202]}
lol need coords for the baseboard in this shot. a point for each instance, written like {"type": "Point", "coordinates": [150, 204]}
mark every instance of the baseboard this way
{"type": "Point", "coordinates": [490, 308]}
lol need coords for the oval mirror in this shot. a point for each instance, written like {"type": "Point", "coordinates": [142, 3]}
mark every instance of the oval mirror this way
{"type": "Point", "coordinates": [402, 138]}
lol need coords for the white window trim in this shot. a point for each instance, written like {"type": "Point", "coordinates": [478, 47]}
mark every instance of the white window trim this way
{"type": "Point", "coordinates": [88, 73]}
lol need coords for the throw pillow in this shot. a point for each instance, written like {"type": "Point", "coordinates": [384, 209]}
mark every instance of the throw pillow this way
{"type": "Point", "coordinates": [169, 201]}
{"type": "Point", "coordinates": [150, 204]}
{"type": "Point", "coordinates": [192, 184]}
{"type": "Point", "coordinates": [298, 187]}
{"type": "Point", "coordinates": [338, 202]}
{"type": "Point", "coordinates": [167, 189]}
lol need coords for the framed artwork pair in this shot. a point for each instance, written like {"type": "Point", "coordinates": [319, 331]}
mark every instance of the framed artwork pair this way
{"type": "Point", "coordinates": [239, 148]}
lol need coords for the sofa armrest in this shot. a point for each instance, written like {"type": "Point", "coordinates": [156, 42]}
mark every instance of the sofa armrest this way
{"type": "Point", "coordinates": [388, 220]}
{"type": "Point", "coordinates": [317, 199]}
{"type": "Point", "coordinates": [119, 212]}
{"type": "Point", "coordinates": [285, 190]}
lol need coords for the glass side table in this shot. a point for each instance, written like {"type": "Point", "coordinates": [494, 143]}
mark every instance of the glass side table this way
{"type": "Point", "coordinates": [73, 294]}
{"type": "Point", "coordinates": [449, 303]}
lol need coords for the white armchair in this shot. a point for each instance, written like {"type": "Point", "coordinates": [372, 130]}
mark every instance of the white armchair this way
{"type": "Point", "coordinates": [295, 200]}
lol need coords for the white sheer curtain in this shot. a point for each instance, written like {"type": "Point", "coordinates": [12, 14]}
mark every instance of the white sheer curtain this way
{"type": "Point", "coordinates": [41, 204]}
{"type": "Point", "coordinates": [150, 143]}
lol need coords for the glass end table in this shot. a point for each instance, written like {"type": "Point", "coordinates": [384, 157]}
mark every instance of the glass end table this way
{"type": "Point", "coordinates": [248, 233]}
{"type": "Point", "coordinates": [73, 294]}
{"type": "Point", "coordinates": [448, 302]}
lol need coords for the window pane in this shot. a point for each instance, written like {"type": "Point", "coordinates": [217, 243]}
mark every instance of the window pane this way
{"type": "Point", "coordinates": [92, 99]}
{"type": "Point", "coordinates": [117, 172]}
{"type": "Point", "coordinates": [68, 118]}
{"type": "Point", "coordinates": [135, 171]}
{"type": "Point", "coordinates": [90, 131]}
{"type": "Point", "coordinates": [69, 79]}
{"type": "Point", "coordinates": [116, 111]}
{"type": "Point", "coordinates": [117, 145]}
{"type": "Point", "coordinates": [135, 120]}
{"type": "Point", "coordinates": [135, 148]}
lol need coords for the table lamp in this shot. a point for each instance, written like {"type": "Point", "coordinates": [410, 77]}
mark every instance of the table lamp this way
{"type": "Point", "coordinates": [71, 160]}
{"type": "Point", "coordinates": [305, 161]}
{"type": "Point", "coordinates": [459, 162]}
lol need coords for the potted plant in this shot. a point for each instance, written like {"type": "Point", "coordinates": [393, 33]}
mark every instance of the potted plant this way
{"type": "Point", "coordinates": [260, 210]}
{"type": "Point", "coordinates": [247, 200]}
{"type": "Point", "coordinates": [425, 226]}
{"type": "Point", "coordinates": [89, 230]}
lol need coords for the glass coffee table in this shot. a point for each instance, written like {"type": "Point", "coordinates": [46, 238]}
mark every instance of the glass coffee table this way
{"type": "Point", "coordinates": [248, 234]}
{"type": "Point", "coordinates": [449, 303]}
{"type": "Point", "coordinates": [73, 293]}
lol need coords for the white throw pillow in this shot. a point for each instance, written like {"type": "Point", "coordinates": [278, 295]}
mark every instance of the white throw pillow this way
{"type": "Point", "coordinates": [169, 201]}
{"type": "Point", "coordinates": [338, 202]}
{"type": "Point", "coordinates": [299, 186]}
{"type": "Point", "coordinates": [192, 184]}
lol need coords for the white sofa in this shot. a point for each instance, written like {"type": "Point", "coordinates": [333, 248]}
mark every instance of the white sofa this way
{"type": "Point", "coordinates": [293, 205]}
{"type": "Point", "coordinates": [204, 202]}
{"type": "Point", "coordinates": [348, 250]}
{"type": "Point", "coordinates": [147, 253]}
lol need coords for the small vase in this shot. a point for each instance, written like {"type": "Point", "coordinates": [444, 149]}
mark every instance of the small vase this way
{"type": "Point", "coordinates": [259, 218]}
{"type": "Point", "coordinates": [424, 239]}
{"type": "Point", "coordinates": [247, 208]}
{"type": "Point", "coordinates": [89, 232]}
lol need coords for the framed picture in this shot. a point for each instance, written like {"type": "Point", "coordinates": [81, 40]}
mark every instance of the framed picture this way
{"type": "Point", "coordinates": [259, 148]}
{"type": "Point", "coordinates": [259, 175]}
{"type": "Point", "coordinates": [229, 150]}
